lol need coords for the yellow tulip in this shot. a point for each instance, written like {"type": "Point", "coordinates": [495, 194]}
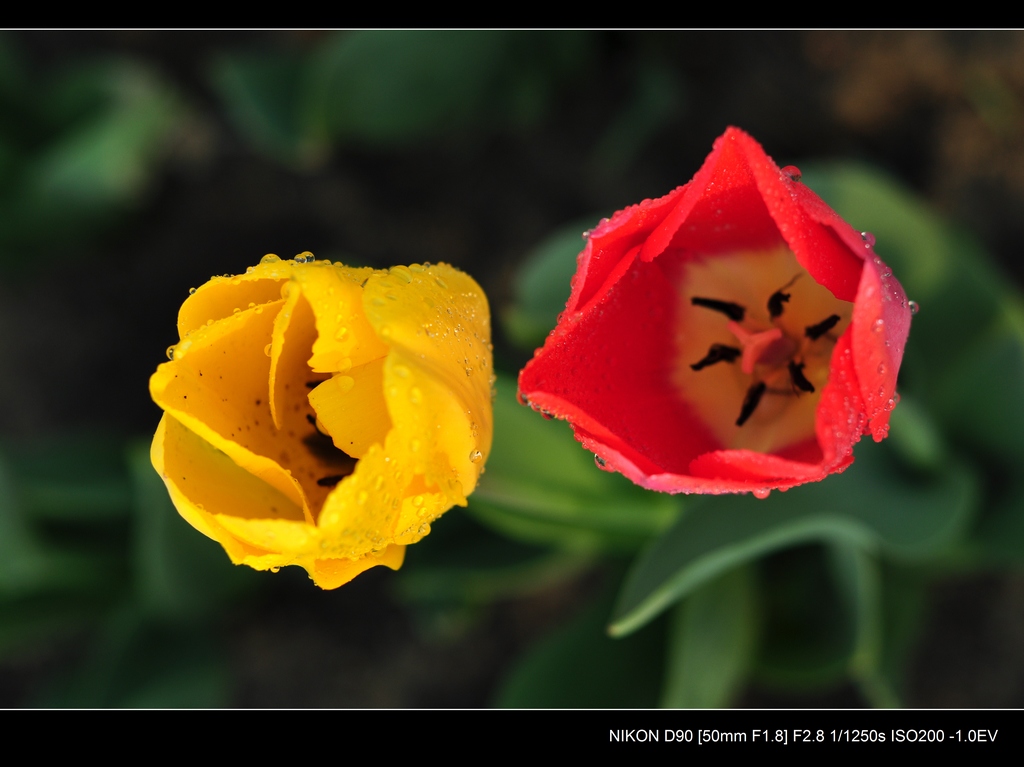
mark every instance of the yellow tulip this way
{"type": "Point", "coordinates": [322, 415]}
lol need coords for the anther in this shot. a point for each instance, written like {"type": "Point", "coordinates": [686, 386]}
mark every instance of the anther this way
{"type": "Point", "coordinates": [717, 353]}
{"type": "Point", "coordinates": [751, 401]}
{"type": "Point", "coordinates": [796, 375]}
{"type": "Point", "coordinates": [728, 308]}
{"type": "Point", "coordinates": [778, 298]}
{"type": "Point", "coordinates": [814, 332]}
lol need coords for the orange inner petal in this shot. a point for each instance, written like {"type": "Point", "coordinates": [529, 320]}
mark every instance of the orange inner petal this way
{"type": "Point", "coordinates": [784, 416]}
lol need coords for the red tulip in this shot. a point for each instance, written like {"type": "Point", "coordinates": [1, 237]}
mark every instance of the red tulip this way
{"type": "Point", "coordinates": [734, 335]}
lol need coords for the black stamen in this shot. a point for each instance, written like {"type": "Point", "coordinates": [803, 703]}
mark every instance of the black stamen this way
{"type": "Point", "coordinates": [330, 481]}
{"type": "Point", "coordinates": [728, 308]}
{"type": "Point", "coordinates": [717, 353]}
{"type": "Point", "coordinates": [751, 401]}
{"type": "Point", "coordinates": [796, 375]}
{"type": "Point", "coordinates": [779, 297]}
{"type": "Point", "coordinates": [322, 447]}
{"type": "Point", "coordinates": [814, 332]}
{"type": "Point", "coordinates": [775, 302]}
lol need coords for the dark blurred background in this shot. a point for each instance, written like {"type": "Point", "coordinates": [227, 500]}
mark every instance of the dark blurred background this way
{"type": "Point", "coordinates": [137, 164]}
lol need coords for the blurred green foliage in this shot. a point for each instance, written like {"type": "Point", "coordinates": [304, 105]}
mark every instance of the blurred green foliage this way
{"type": "Point", "coordinates": [79, 148]}
{"type": "Point", "coordinates": [91, 542]}
{"type": "Point", "coordinates": [387, 89]}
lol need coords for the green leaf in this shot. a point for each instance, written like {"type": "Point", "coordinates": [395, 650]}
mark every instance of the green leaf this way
{"type": "Point", "coordinates": [542, 487]}
{"type": "Point", "coordinates": [981, 399]}
{"type": "Point", "coordinates": [179, 572]}
{"type": "Point", "coordinates": [859, 579]}
{"type": "Point", "coordinates": [871, 505]}
{"type": "Point", "coordinates": [74, 479]}
{"type": "Point", "coordinates": [834, 612]}
{"type": "Point", "coordinates": [915, 438]}
{"type": "Point", "coordinates": [711, 643]}
{"type": "Point", "coordinates": [656, 100]}
{"type": "Point", "coordinates": [109, 159]}
{"type": "Point", "coordinates": [809, 625]}
{"type": "Point", "coordinates": [29, 567]}
{"type": "Point", "coordinates": [263, 93]}
{"type": "Point", "coordinates": [999, 537]}
{"type": "Point", "coordinates": [86, 150]}
{"type": "Point", "coordinates": [28, 621]}
{"type": "Point", "coordinates": [469, 564]}
{"type": "Point", "coordinates": [579, 666]}
{"type": "Point", "coordinates": [542, 285]}
{"type": "Point", "coordinates": [904, 598]}
{"type": "Point", "coordinates": [137, 664]}
{"type": "Point", "coordinates": [398, 87]}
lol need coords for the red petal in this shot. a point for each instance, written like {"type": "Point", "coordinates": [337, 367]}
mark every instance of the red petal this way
{"type": "Point", "coordinates": [606, 366]}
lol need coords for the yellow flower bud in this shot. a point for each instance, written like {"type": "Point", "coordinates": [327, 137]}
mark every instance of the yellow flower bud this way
{"type": "Point", "coordinates": [322, 415]}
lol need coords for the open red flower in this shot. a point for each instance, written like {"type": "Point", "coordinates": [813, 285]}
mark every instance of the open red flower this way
{"type": "Point", "coordinates": [735, 335]}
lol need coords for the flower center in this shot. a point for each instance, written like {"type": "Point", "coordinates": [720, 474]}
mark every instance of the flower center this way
{"type": "Point", "coordinates": [755, 340]}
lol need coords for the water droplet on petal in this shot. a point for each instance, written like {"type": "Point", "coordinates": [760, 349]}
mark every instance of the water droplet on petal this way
{"type": "Point", "coordinates": [170, 352]}
{"type": "Point", "coordinates": [881, 368]}
{"type": "Point", "coordinates": [192, 291]}
{"type": "Point", "coordinates": [402, 273]}
{"type": "Point", "coordinates": [879, 325]}
{"type": "Point", "coordinates": [441, 283]}
{"type": "Point", "coordinates": [476, 456]}
{"type": "Point", "coordinates": [415, 395]}
{"type": "Point", "coordinates": [601, 462]}
{"type": "Point", "coordinates": [869, 239]}
{"type": "Point", "coordinates": [761, 493]}
{"type": "Point", "coordinates": [914, 307]}
{"type": "Point", "coordinates": [270, 258]}
{"type": "Point", "coordinates": [793, 172]}
{"type": "Point", "coordinates": [266, 349]}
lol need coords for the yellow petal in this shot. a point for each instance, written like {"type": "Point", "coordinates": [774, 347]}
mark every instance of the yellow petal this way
{"type": "Point", "coordinates": [438, 376]}
{"type": "Point", "coordinates": [345, 338]}
{"type": "Point", "coordinates": [331, 573]}
{"type": "Point", "coordinates": [351, 408]}
{"type": "Point", "coordinates": [395, 366]}
{"type": "Point", "coordinates": [217, 387]}
{"type": "Point", "coordinates": [200, 478]}
{"type": "Point", "coordinates": [221, 296]}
